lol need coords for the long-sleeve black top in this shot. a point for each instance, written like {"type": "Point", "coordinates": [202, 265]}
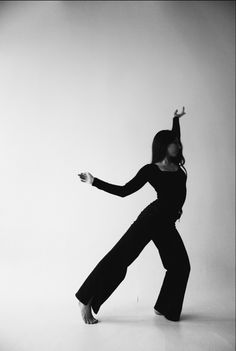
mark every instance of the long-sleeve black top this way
{"type": "Point", "coordinates": [176, 127]}
{"type": "Point", "coordinates": [170, 186]}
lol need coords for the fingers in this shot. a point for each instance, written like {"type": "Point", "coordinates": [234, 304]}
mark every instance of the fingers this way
{"type": "Point", "coordinates": [82, 176]}
{"type": "Point", "coordinates": [180, 114]}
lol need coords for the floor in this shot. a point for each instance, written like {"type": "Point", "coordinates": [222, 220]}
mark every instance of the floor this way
{"type": "Point", "coordinates": [32, 325]}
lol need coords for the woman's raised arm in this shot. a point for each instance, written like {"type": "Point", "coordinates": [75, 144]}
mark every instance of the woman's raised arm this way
{"type": "Point", "coordinates": [176, 125]}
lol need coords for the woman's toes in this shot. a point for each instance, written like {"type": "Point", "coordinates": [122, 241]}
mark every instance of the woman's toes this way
{"type": "Point", "coordinates": [87, 315]}
{"type": "Point", "coordinates": [92, 320]}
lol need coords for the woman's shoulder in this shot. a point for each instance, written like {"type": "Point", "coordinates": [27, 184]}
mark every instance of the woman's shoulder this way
{"type": "Point", "coordinates": [148, 167]}
{"type": "Point", "coordinates": [145, 169]}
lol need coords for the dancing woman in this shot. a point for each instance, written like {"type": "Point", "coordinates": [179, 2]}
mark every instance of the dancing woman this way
{"type": "Point", "coordinates": [168, 176]}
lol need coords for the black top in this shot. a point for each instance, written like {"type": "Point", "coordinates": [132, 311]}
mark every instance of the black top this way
{"type": "Point", "coordinates": [170, 186]}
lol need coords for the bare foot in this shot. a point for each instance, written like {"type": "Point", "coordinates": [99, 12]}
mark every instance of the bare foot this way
{"type": "Point", "coordinates": [157, 312]}
{"type": "Point", "coordinates": [87, 313]}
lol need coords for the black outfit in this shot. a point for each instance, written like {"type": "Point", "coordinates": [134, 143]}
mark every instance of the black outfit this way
{"type": "Point", "coordinates": [157, 223]}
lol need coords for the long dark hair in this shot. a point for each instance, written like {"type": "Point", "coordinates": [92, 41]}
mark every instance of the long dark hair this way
{"type": "Point", "coordinates": [160, 144]}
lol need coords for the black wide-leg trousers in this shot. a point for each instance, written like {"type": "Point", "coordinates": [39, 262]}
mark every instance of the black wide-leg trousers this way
{"type": "Point", "coordinates": [152, 224]}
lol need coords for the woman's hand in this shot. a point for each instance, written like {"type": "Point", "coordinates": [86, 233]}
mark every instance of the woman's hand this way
{"type": "Point", "coordinates": [86, 177]}
{"type": "Point", "coordinates": [180, 114]}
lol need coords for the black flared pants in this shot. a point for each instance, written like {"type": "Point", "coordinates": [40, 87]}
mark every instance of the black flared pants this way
{"type": "Point", "coordinates": [155, 224]}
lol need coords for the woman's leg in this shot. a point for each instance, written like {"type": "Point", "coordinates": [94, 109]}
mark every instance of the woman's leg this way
{"type": "Point", "coordinates": [112, 268]}
{"type": "Point", "coordinates": [176, 261]}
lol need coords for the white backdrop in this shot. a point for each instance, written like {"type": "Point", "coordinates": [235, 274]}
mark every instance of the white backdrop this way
{"type": "Point", "coordinates": [85, 86]}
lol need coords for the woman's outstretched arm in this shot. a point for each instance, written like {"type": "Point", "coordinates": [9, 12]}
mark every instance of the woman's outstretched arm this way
{"type": "Point", "coordinates": [130, 187]}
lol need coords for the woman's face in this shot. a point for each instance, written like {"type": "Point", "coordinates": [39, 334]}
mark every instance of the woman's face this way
{"type": "Point", "coordinates": [173, 148]}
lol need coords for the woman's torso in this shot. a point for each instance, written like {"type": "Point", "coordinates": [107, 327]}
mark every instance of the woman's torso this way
{"type": "Point", "coordinates": [170, 186]}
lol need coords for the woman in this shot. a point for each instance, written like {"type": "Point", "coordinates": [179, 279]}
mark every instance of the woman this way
{"type": "Point", "coordinates": [156, 222]}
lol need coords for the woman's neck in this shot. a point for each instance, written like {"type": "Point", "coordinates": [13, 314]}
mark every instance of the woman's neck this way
{"type": "Point", "coordinates": [167, 161]}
